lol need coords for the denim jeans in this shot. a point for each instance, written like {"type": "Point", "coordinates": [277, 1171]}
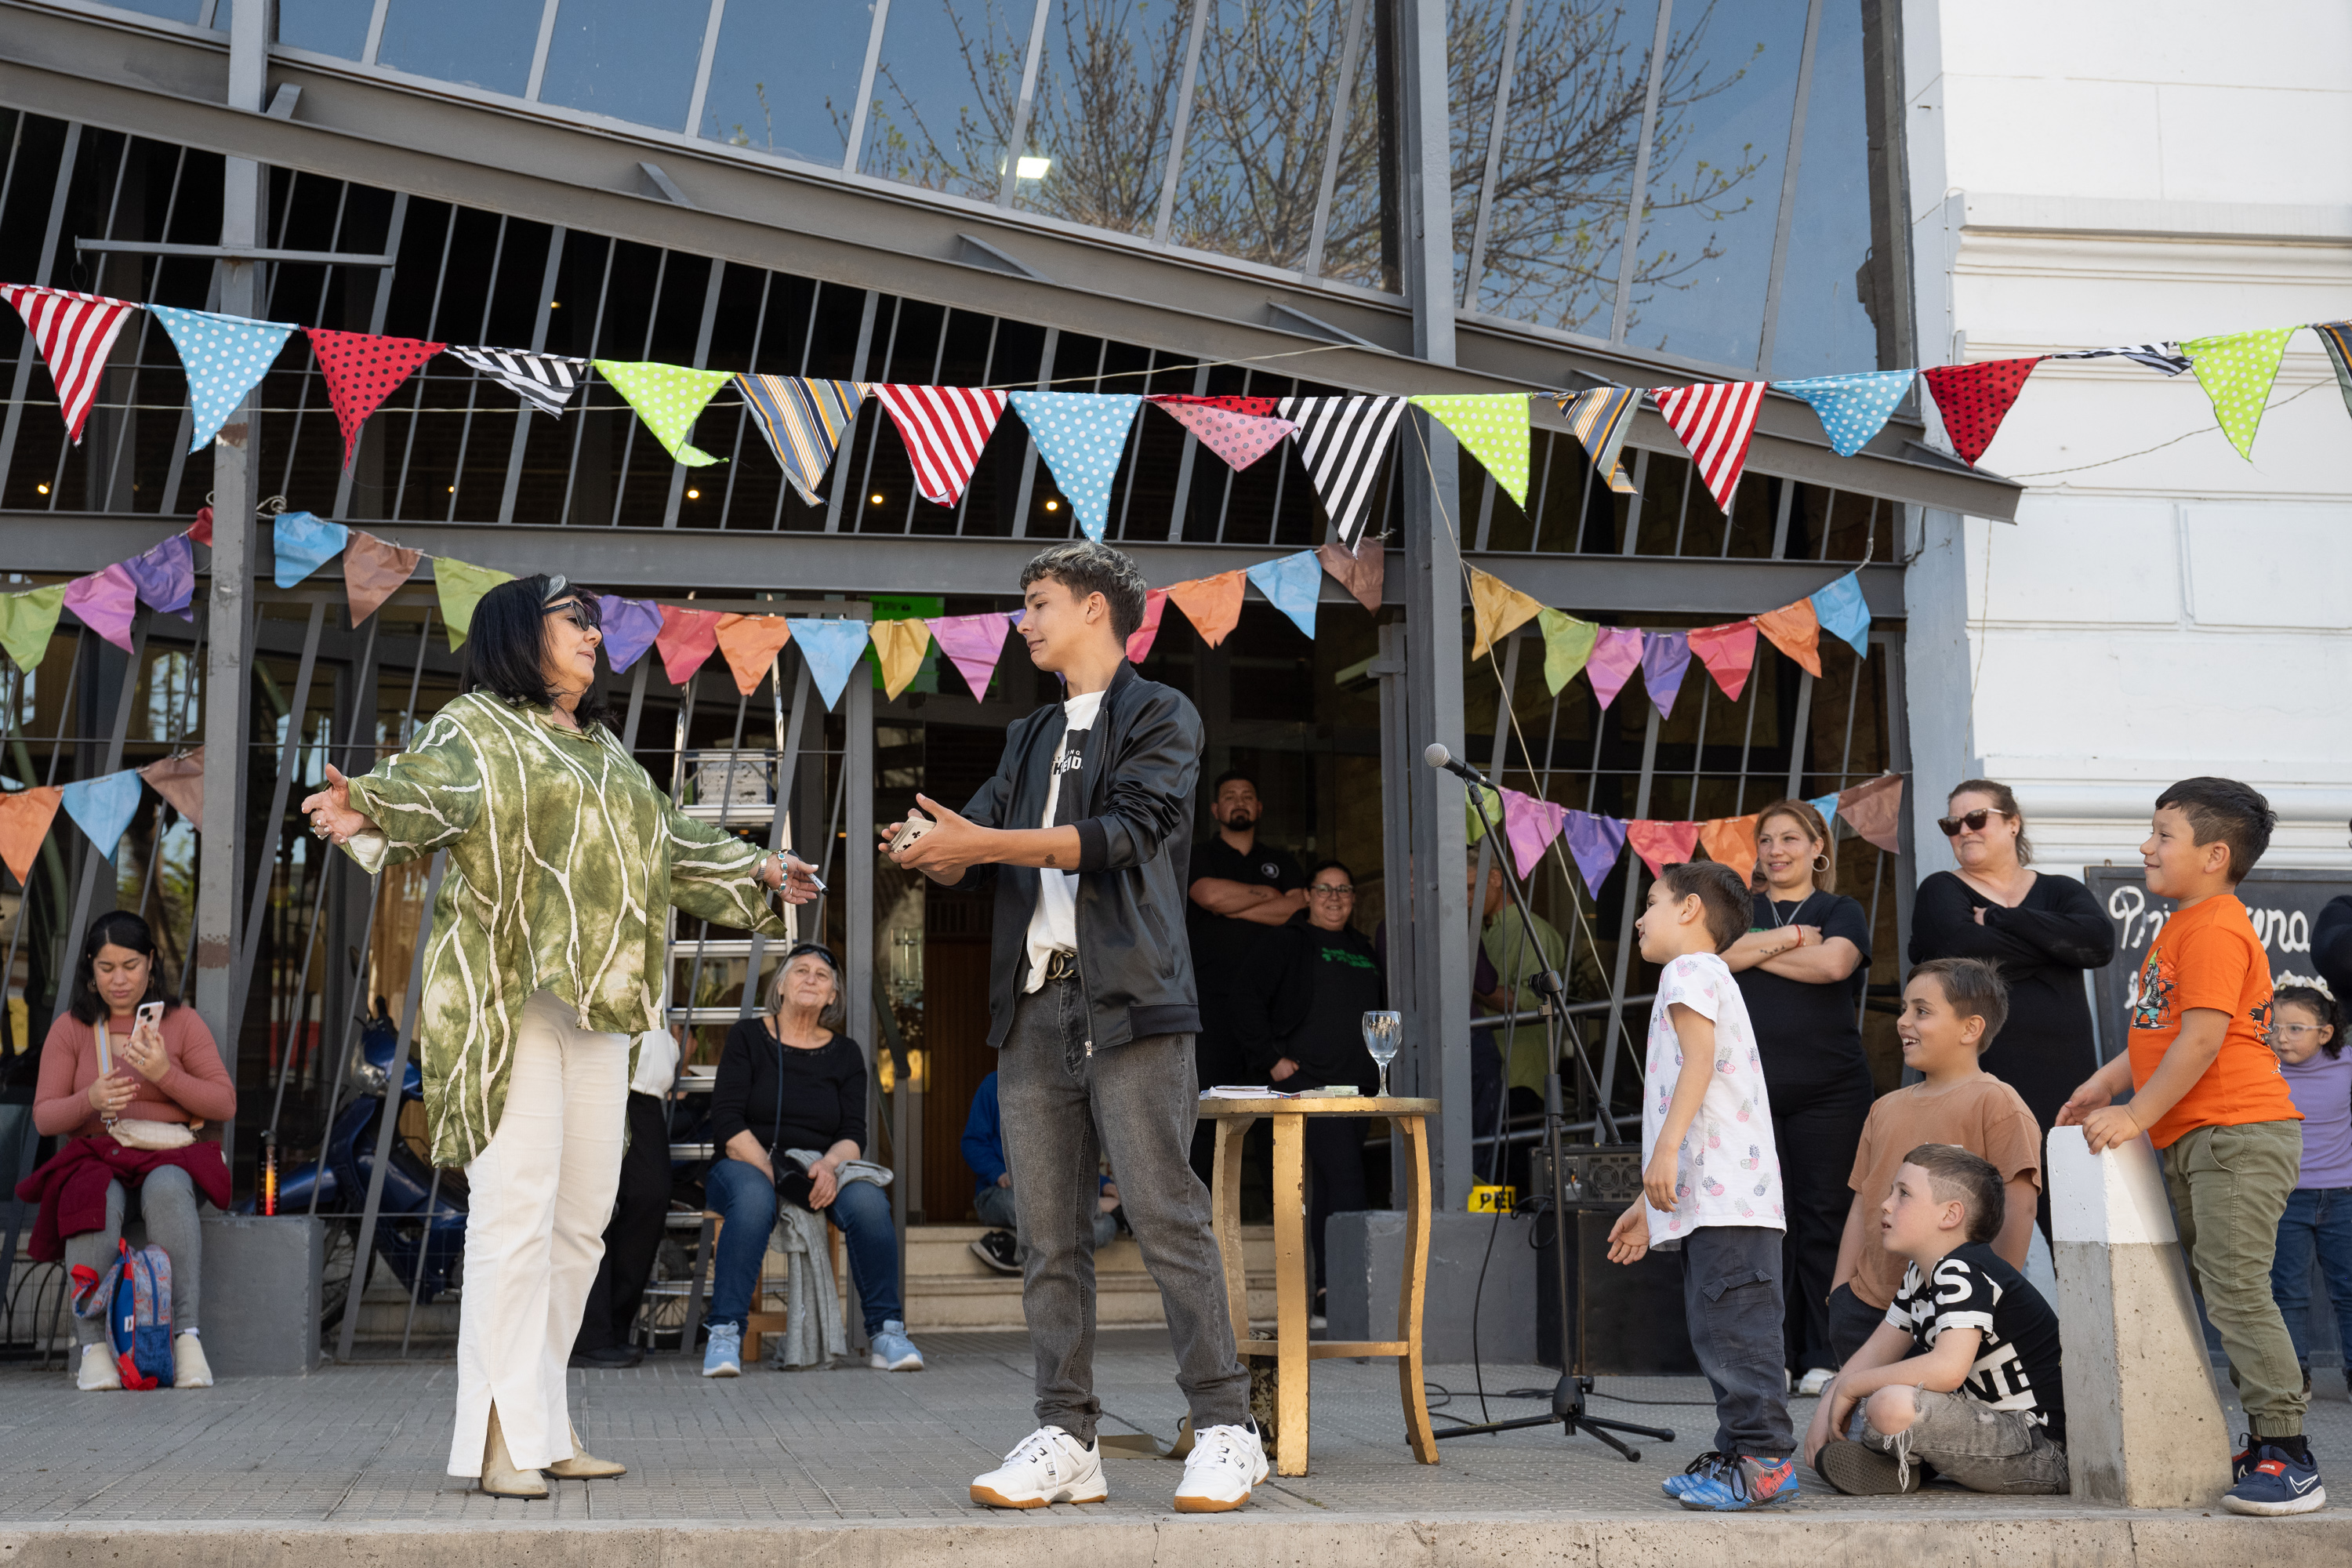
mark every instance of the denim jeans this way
{"type": "Point", "coordinates": [1731, 1300]}
{"type": "Point", "coordinates": [2323, 1214]}
{"type": "Point", "coordinates": [1066, 1109]}
{"type": "Point", "coordinates": [860, 1211]}
{"type": "Point", "coordinates": [1851, 1321]}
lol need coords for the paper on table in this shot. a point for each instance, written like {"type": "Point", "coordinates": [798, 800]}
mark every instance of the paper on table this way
{"type": "Point", "coordinates": [1244, 1092]}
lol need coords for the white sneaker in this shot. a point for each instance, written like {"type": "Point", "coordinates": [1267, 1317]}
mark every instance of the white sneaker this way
{"type": "Point", "coordinates": [1047, 1466]}
{"type": "Point", "coordinates": [98, 1370]}
{"type": "Point", "coordinates": [1816, 1378]}
{"type": "Point", "coordinates": [189, 1367]}
{"type": "Point", "coordinates": [1225, 1463]}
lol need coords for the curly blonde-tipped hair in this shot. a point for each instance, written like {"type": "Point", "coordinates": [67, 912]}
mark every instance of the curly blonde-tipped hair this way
{"type": "Point", "coordinates": [1810, 819]}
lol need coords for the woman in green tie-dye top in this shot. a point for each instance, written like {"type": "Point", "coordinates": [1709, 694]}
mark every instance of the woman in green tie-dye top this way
{"type": "Point", "coordinates": [543, 967]}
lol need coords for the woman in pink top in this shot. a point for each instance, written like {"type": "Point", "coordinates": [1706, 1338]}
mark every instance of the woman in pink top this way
{"type": "Point", "coordinates": [167, 1072]}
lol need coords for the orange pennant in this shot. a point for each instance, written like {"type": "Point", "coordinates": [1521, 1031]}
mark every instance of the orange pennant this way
{"type": "Point", "coordinates": [1731, 841]}
{"type": "Point", "coordinates": [751, 643]}
{"type": "Point", "coordinates": [1662, 843]}
{"type": "Point", "coordinates": [1213, 604]}
{"type": "Point", "coordinates": [1796, 631]}
{"type": "Point", "coordinates": [25, 819]}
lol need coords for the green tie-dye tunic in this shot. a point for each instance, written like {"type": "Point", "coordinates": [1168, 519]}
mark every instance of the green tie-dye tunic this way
{"type": "Point", "coordinates": [563, 859]}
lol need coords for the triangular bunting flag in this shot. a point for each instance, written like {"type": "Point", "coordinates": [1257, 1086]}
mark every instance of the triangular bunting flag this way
{"type": "Point", "coordinates": [630, 627]}
{"type": "Point", "coordinates": [1827, 805]}
{"type": "Point", "coordinates": [374, 570]}
{"type": "Point", "coordinates": [1840, 609]}
{"type": "Point", "coordinates": [805, 422]}
{"type": "Point", "coordinates": [224, 357]}
{"type": "Point", "coordinates": [1496, 610]}
{"type": "Point", "coordinates": [1360, 570]}
{"type": "Point", "coordinates": [303, 544]}
{"type": "Point", "coordinates": [669, 398]}
{"type": "Point", "coordinates": [944, 429]}
{"type": "Point", "coordinates": [27, 621]}
{"type": "Point", "coordinates": [1140, 640]}
{"type": "Point", "coordinates": [751, 643]}
{"type": "Point", "coordinates": [1213, 604]}
{"type": "Point", "coordinates": [831, 648]}
{"type": "Point", "coordinates": [461, 584]}
{"type": "Point", "coordinates": [1731, 841]}
{"type": "Point", "coordinates": [1254, 407]}
{"type": "Point", "coordinates": [165, 576]}
{"type": "Point", "coordinates": [1873, 809]}
{"type": "Point", "coordinates": [1568, 643]}
{"type": "Point", "coordinates": [1241, 439]}
{"type": "Point", "coordinates": [24, 818]}
{"type": "Point", "coordinates": [1474, 825]}
{"type": "Point", "coordinates": [1665, 656]}
{"type": "Point", "coordinates": [1728, 651]}
{"type": "Point", "coordinates": [1290, 584]}
{"type": "Point", "coordinates": [898, 650]}
{"type": "Point", "coordinates": [1597, 418]}
{"type": "Point", "coordinates": [1616, 655]}
{"type": "Point", "coordinates": [1796, 631]}
{"type": "Point", "coordinates": [361, 370]}
{"type": "Point", "coordinates": [1715, 421]}
{"type": "Point", "coordinates": [1493, 425]}
{"type": "Point", "coordinates": [180, 780]}
{"type": "Point", "coordinates": [544, 382]}
{"type": "Point", "coordinates": [1530, 825]}
{"type": "Point", "coordinates": [102, 807]}
{"type": "Point", "coordinates": [1662, 843]}
{"type": "Point", "coordinates": [1081, 436]}
{"type": "Point", "coordinates": [2335, 337]}
{"type": "Point", "coordinates": [1975, 398]}
{"type": "Point", "coordinates": [201, 530]}
{"type": "Point", "coordinates": [1342, 440]}
{"type": "Point", "coordinates": [2236, 370]}
{"type": "Point", "coordinates": [106, 601]}
{"type": "Point", "coordinates": [76, 333]}
{"type": "Point", "coordinates": [1593, 843]}
{"type": "Point", "coordinates": [974, 643]}
{"type": "Point", "coordinates": [1852, 408]}
{"type": "Point", "coordinates": [2165, 357]}
{"type": "Point", "coordinates": [688, 639]}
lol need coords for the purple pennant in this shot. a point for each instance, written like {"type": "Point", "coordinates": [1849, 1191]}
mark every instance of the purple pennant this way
{"type": "Point", "coordinates": [1616, 653]}
{"type": "Point", "coordinates": [106, 601]}
{"type": "Point", "coordinates": [1665, 658]}
{"type": "Point", "coordinates": [1530, 825]}
{"type": "Point", "coordinates": [1596, 841]}
{"type": "Point", "coordinates": [165, 577]}
{"type": "Point", "coordinates": [630, 627]}
{"type": "Point", "coordinates": [972, 644]}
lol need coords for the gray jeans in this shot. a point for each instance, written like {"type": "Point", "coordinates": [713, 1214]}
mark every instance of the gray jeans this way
{"type": "Point", "coordinates": [167, 1199]}
{"type": "Point", "coordinates": [1062, 1111]}
{"type": "Point", "coordinates": [1972, 1445]}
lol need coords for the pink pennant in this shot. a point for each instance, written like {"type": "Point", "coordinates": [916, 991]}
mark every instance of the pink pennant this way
{"type": "Point", "coordinates": [1728, 651]}
{"type": "Point", "coordinates": [944, 429]}
{"type": "Point", "coordinates": [1140, 641]}
{"type": "Point", "coordinates": [106, 601]}
{"type": "Point", "coordinates": [688, 637]}
{"type": "Point", "coordinates": [973, 644]}
{"type": "Point", "coordinates": [1238, 439]}
{"type": "Point", "coordinates": [1530, 825]}
{"type": "Point", "coordinates": [1662, 843]}
{"type": "Point", "coordinates": [1616, 655]}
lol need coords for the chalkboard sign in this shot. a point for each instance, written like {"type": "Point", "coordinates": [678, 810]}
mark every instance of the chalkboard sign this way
{"type": "Point", "coordinates": [2281, 904]}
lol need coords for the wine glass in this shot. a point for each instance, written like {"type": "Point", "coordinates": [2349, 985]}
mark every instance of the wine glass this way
{"type": "Point", "coordinates": [1383, 1032]}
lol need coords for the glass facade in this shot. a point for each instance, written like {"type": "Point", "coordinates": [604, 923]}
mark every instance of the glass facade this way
{"type": "Point", "coordinates": [784, 79]}
{"type": "Point", "coordinates": [591, 35]}
{"type": "Point", "coordinates": [337, 28]}
{"type": "Point", "coordinates": [487, 44]}
{"type": "Point", "coordinates": [1104, 113]}
{"type": "Point", "coordinates": [947, 87]}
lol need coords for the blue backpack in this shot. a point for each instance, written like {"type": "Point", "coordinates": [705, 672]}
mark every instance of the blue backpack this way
{"type": "Point", "coordinates": [135, 1295]}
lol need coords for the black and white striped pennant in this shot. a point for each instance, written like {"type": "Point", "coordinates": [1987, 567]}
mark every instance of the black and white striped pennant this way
{"type": "Point", "coordinates": [1342, 440]}
{"type": "Point", "coordinates": [546, 381]}
{"type": "Point", "coordinates": [2165, 357]}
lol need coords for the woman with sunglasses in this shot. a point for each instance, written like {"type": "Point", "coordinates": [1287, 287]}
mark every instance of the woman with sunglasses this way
{"type": "Point", "coordinates": [544, 963]}
{"type": "Point", "coordinates": [2041, 930]}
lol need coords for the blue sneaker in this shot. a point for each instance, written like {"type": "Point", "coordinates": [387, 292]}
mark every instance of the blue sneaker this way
{"type": "Point", "coordinates": [893, 1350]}
{"type": "Point", "coordinates": [723, 1357]}
{"type": "Point", "coordinates": [1675, 1485]}
{"type": "Point", "coordinates": [1733, 1486]}
{"type": "Point", "coordinates": [2280, 1482]}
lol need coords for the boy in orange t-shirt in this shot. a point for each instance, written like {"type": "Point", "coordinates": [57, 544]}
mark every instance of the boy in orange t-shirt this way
{"type": "Point", "coordinates": [2206, 1090]}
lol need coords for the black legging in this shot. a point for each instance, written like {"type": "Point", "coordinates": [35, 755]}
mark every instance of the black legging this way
{"type": "Point", "coordinates": [633, 1235]}
{"type": "Point", "coordinates": [1816, 1132]}
{"type": "Point", "coordinates": [1334, 1146]}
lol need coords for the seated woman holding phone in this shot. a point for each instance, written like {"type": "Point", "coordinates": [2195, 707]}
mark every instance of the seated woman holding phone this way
{"type": "Point", "coordinates": [129, 1077]}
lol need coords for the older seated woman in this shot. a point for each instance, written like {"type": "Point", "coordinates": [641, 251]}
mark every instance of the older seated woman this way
{"type": "Point", "coordinates": [791, 1081]}
{"type": "Point", "coordinates": [122, 1095]}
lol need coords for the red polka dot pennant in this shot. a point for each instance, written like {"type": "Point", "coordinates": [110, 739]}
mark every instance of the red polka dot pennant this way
{"type": "Point", "coordinates": [1975, 398]}
{"type": "Point", "coordinates": [361, 370]}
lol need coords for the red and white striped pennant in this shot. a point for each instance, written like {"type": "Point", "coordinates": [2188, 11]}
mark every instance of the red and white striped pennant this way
{"type": "Point", "coordinates": [1714, 421]}
{"type": "Point", "coordinates": [944, 429]}
{"type": "Point", "coordinates": [74, 331]}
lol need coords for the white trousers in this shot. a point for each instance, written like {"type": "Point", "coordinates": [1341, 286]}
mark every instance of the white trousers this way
{"type": "Point", "coordinates": [540, 1194]}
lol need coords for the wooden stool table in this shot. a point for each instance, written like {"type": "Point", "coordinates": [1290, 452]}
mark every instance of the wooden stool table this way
{"type": "Point", "coordinates": [1292, 1350]}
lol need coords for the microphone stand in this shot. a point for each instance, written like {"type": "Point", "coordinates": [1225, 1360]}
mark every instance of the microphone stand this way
{"type": "Point", "coordinates": [1569, 1395]}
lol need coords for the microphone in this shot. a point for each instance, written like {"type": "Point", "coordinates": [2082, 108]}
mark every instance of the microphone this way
{"type": "Point", "coordinates": [1437, 756]}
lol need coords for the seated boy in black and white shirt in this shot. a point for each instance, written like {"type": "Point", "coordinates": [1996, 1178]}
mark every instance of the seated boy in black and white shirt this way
{"type": "Point", "coordinates": [1963, 1375]}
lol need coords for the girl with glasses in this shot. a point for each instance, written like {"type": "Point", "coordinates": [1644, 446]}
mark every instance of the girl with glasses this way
{"type": "Point", "coordinates": [2307, 1032]}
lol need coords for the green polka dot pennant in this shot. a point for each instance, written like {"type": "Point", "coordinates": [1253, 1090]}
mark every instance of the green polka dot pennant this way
{"type": "Point", "coordinates": [668, 398]}
{"type": "Point", "coordinates": [1493, 426]}
{"type": "Point", "coordinates": [2236, 370]}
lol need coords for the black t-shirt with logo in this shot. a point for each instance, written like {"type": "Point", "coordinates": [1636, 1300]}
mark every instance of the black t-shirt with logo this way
{"type": "Point", "coordinates": [2017, 1365]}
{"type": "Point", "coordinates": [1329, 1046]}
{"type": "Point", "coordinates": [1219, 941]}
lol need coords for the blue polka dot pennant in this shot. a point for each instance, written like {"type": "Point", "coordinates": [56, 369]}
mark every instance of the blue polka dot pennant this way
{"type": "Point", "coordinates": [1853, 408]}
{"type": "Point", "coordinates": [226, 357]}
{"type": "Point", "coordinates": [1081, 436]}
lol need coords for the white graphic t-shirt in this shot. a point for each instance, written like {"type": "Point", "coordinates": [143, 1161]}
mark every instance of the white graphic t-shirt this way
{"type": "Point", "coordinates": [1728, 1171]}
{"type": "Point", "coordinates": [1054, 923]}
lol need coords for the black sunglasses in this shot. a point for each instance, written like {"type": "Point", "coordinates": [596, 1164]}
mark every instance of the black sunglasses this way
{"type": "Point", "coordinates": [1974, 821]}
{"type": "Point", "coordinates": [582, 612]}
{"type": "Point", "coordinates": [821, 951]}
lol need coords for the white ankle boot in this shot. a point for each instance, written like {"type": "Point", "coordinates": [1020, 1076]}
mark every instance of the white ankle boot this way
{"type": "Point", "coordinates": [499, 1476]}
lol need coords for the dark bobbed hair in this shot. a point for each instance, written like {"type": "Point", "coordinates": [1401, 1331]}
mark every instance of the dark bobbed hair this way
{"type": "Point", "coordinates": [120, 928]}
{"type": "Point", "coordinates": [1722, 894]}
{"type": "Point", "coordinates": [506, 647]}
{"type": "Point", "coordinates": [1809, 817]}
{"type": "Point", "coordinates": [1954, 1172]}
{"type": "Point", "coordinates": [1085, 567]}
{"type": "Point", "coordinates": [1973, 989]}
{"type": "Point", "coordinates": [2324, 1006]}
{"type": "Point", "coordinates": [1323, 866]}
{"type": "Point", "coordinates": [2226, 811]}
{"type": "Point", "coordinates": [2004, 800]}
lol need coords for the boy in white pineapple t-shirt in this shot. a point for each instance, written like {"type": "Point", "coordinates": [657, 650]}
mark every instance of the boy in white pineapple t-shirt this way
{"type": "Point", "coordinates": [1711, 1187]}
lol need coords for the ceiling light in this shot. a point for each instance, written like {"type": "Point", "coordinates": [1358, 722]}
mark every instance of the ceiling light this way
{"type": "Point", "coordinates": [41, 489]}
{"type": "Point", "coordinates": [1032, 168]}
{"type": "Point", "coordinates": [1053, 505]}
{"type": "Point", "coordinates": [693, 495]}
{"type": "Point", "coordinates": [876, 498]}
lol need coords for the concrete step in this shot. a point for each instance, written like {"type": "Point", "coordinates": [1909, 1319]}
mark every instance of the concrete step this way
{"type": "Point", "coordinates": [948, 1288]}
{"type": "Point", "coordinates": [945, 1251]}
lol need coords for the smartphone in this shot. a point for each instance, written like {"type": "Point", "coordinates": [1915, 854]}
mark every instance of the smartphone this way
{"type": "Point", "coordinates": [148, 1012]}
{"type": "Point", "coordinates": [914, 827]}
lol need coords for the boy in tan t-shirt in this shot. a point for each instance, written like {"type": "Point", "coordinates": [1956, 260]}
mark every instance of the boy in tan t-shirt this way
{"type": "Point", "coordinates": [1952, 1008]}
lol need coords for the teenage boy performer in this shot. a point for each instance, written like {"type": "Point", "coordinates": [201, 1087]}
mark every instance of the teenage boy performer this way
{"type": "Point", "coordinates": [1964, 1374]}
{"type": "Point", "coordinates": [1092, 1010]}
{"type": "Point", "coordinates": [1711, 1187]}
{"type": "Point", "coordinates": [1952, 1008]}
{"type": "Point", "coordinates": [2208, 1092]}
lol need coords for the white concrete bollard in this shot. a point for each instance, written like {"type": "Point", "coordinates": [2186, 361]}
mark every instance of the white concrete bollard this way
{"type": "Point", "coordinates": [2144, 1426]}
